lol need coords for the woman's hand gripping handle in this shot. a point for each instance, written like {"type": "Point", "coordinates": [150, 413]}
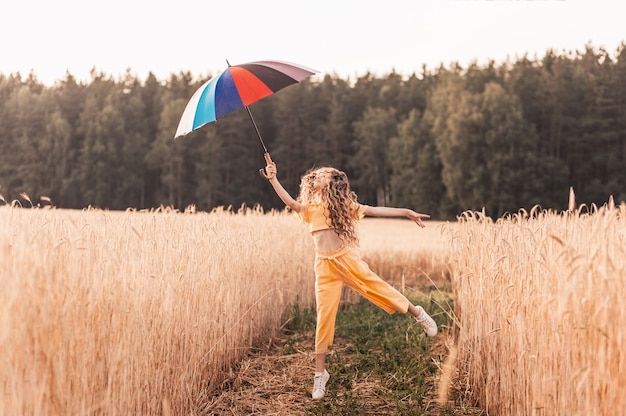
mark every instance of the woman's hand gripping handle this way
{"type": "Point", "coordinates": [262, 172]}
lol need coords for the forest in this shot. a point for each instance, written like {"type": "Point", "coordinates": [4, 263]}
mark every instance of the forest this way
{"type": "Point", "coordinates": [498, 137]}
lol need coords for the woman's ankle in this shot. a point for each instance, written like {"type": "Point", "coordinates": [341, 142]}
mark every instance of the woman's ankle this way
{"type": "Point", "coordinates": [320, 362]}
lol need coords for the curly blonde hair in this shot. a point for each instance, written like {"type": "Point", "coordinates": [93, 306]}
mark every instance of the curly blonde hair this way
{"type": "Point", "coordinates": [339, 201]}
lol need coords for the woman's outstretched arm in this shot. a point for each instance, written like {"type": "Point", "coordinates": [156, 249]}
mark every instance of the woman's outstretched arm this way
{"type": "Point", "coordinates": [396, 212]}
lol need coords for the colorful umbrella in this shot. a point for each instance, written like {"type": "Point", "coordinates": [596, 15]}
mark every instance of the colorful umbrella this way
{"type": "Point", "coordinates": [237, 87]}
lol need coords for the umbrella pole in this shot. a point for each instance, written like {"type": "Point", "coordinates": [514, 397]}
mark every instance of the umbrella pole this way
{"type": "Point", "coordinates": [256, 129]}
{"type": "Point", "coordinates": [266, 154]}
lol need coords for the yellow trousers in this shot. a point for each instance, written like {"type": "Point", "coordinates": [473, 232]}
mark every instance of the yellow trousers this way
{"type": "Point", "coordinates": [345, 266]}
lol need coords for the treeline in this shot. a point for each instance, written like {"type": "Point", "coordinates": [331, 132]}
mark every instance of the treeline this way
{"type": "Point", "coordinates": [502, 137]}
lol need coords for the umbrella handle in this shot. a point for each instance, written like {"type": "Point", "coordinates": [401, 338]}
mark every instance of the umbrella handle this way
{"type": "Point", "coordinates": [268, 160]}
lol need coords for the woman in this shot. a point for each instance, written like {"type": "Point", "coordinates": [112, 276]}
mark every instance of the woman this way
{"type": "Point", "coordinates": [331, 210]}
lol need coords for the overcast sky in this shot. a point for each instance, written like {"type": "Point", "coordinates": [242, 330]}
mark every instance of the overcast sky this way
{"type": "Point", "coordinates": [346, 37]}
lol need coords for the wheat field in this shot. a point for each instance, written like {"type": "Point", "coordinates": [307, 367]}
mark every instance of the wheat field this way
{"type": "Point", "coordinates": [538, 299]}
{"type": "Point", "coordinates": [123, 313]}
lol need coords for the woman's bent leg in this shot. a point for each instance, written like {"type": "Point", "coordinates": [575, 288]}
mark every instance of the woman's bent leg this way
{"type": "Point", "coordinates": [362, 279]}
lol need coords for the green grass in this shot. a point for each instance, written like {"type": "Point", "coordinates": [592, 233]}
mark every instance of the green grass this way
{"type": "Point", "coordinates": [380, 363]}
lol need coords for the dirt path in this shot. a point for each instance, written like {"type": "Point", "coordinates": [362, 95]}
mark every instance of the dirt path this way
{"type": "Point", "coordinates": [277, 379]}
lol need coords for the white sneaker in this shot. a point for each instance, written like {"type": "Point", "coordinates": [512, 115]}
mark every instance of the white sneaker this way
{"type": "Point", "coordinates": [429, 325]}
{"type": "Point", "coordinates": [319, 384]}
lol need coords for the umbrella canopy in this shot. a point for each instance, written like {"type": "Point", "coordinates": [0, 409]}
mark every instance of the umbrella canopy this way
{"type": "Point", "coordinates": [237, 87]}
